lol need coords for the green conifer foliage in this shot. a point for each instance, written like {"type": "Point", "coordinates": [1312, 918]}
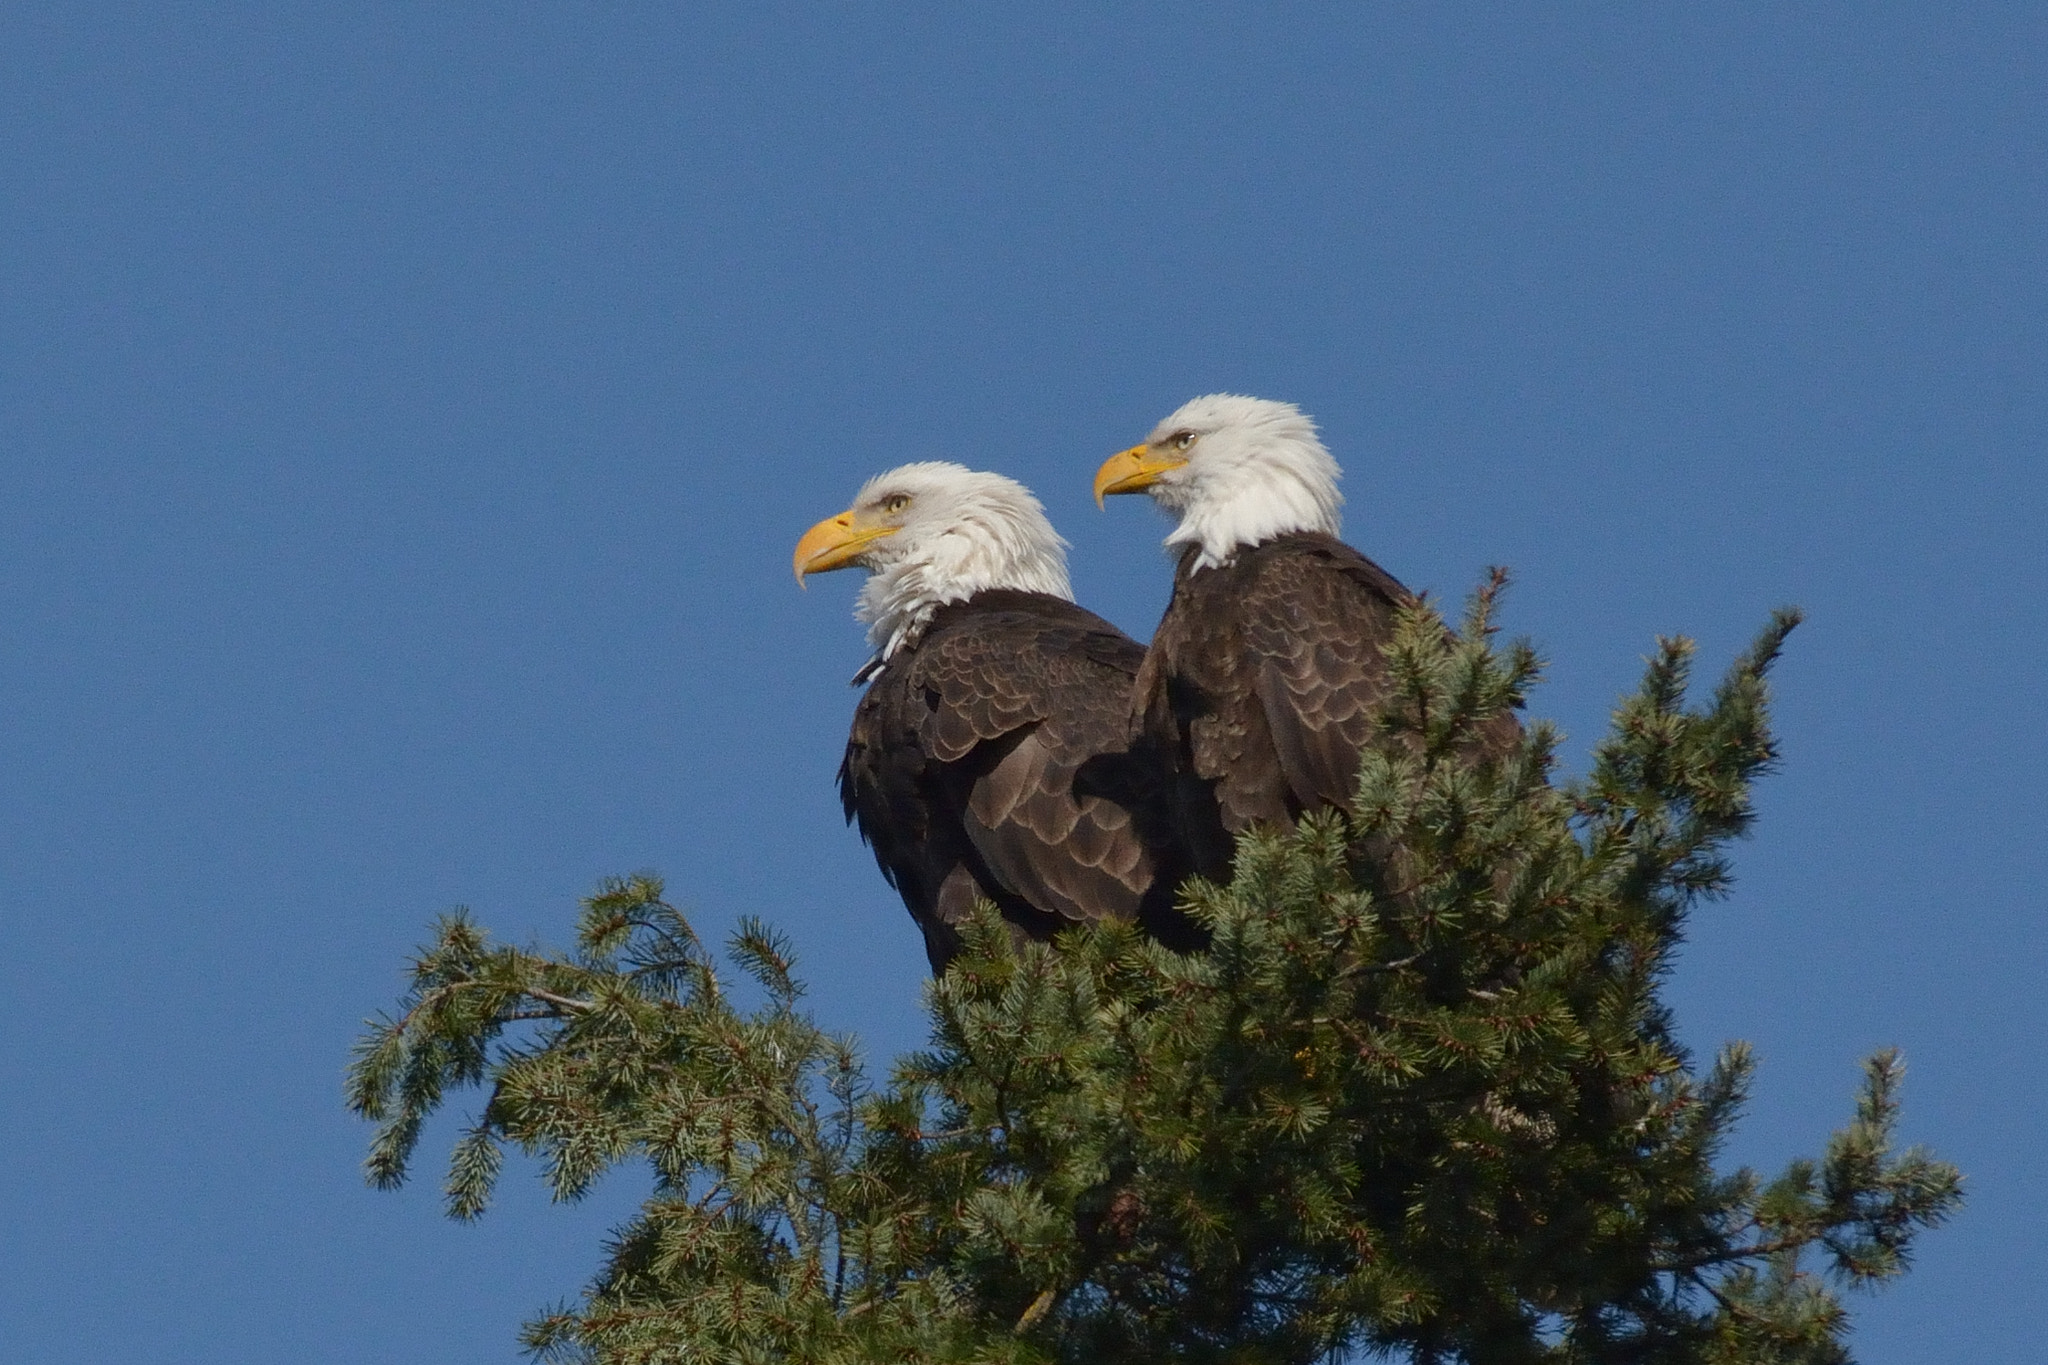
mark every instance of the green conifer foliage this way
{"type": "Point", "coordinates": [1419, 1097]}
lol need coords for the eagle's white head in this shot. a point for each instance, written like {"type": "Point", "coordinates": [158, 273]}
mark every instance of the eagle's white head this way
{"type": "Point", "coordinates": [1238, 470]}
{"type": "Point", "coordinates": [933, 533]}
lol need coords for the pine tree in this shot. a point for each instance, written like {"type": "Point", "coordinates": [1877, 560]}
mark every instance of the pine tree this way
{"type": "Point", "coordinates": [1420, 1097]}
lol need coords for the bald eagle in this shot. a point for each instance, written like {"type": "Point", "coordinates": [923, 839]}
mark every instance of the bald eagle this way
{"type": "Point", "coordinates": [990, 756]}
{"type": "Point", "coordinates": [1266, 673]}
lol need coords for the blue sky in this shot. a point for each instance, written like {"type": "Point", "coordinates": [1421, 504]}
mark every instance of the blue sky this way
{"type": "Point", "coordinates": [407, 411]}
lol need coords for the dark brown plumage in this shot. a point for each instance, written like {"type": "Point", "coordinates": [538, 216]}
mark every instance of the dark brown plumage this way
{"type": "Point", "coordinates": [1266, 675]}
{"type": "Point", "coordinates": [991, 757]}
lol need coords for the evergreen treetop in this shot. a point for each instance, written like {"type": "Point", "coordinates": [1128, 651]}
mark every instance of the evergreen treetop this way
{"type": "Point", "coordinates": [1420, 1097]}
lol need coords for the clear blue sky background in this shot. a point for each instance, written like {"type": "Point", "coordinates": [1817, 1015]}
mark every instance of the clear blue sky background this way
{"type": "Point", "coordinates": [407, 412]}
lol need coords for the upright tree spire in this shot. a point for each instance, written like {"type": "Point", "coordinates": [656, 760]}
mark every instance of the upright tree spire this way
{"type": "Point", "coordinates": [1421, 1095]}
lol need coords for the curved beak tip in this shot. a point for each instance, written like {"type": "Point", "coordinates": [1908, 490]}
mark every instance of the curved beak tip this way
{"type": "Point", "coordinates": [1124, 472]}
{"type": "Point", "coordinates": [833, 543]}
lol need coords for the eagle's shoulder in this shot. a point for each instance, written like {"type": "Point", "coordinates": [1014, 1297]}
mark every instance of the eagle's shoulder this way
{"type": "Point", "coordinates": [1309, 561]}
{"type": "Point", "coordinates": [1002, 660]}
{"type": "Point", "coordinates": [1050, 637]}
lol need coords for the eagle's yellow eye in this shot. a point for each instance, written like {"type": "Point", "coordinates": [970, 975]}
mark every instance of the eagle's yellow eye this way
{"type": "Point", "coordinates": [896, 502]}
{"type": "Point", "coordinates": [1184, 440]}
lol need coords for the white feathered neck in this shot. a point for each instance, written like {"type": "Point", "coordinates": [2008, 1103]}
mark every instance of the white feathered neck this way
{"type": "Point", "coordinates": [1255, 471]}
{"type": "Point", "coordinates": [964, 531]}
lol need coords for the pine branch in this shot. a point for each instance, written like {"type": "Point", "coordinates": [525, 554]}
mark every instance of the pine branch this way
{"type": "Point", "coordinates": [1420, 1098]}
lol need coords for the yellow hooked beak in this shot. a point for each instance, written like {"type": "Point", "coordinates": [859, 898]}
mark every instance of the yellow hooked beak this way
{"type": "Point", "coordinates": [834, 543]}
{"type": "Point", "coordinates": [1132, 471]}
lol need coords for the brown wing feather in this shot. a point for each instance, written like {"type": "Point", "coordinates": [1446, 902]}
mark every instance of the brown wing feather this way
{"type": "Point", "coordinates": [1316, 621]}
{"type": "Point", "coordinates": [1266, 674]}
{"type": "Point", "coordinates": [1077, 857]}
{"type": "Point", "coordinates": [1188, 702]}
{"type": "Point", "coordinates": [964, 770]}
{"type": "Point", "coordinates": [1041, 695]}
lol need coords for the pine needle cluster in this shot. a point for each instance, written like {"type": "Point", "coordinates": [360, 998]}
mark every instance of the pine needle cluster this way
{"type": "Point", "coordinates": [1419, 1098]}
